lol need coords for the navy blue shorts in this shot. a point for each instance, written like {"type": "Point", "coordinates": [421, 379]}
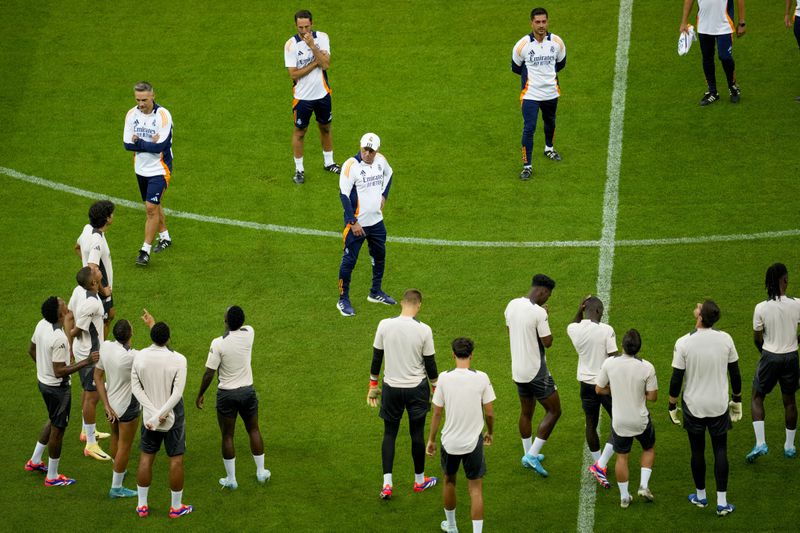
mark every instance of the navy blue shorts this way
{"type": "Point", "coordinates": [152, 188]}
{"type": "Point", "coordinates": [303, 108]}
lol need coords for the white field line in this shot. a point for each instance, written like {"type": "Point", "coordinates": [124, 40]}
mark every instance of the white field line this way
{"type": "Point", "coordinates": [588, 493]}
{"type": "Point", "coordinates": [11, 173]}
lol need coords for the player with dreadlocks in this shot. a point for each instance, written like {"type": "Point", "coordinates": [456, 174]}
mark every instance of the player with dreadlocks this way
{"type": "Point", "coordinates": [775, 334]}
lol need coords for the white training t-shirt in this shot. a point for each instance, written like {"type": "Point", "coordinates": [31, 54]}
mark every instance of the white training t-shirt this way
{"type": "Point", "coordinates": [231, 355]}
{"type": "Point", "coordinates": [100, 255]}
{"type": "Point", "coordinates": [462, 392]}
{"type": "Point", "coordinates": [365, 185]}
{"type": "Point", "coordinates": [594, 342]}
{"type": "Point", "coordinates": [778, 319]}
{"type": "Point", "coordinates": [797, 9]}
{"type": "Point", "coordinates": [713, 19]}
{"type": "Point", "coordinates": [630, 379]}
{"type": "Point", "coordinates": [538, 62]}
{"type": "Point", "coordinates": [158, 377]}
{"type": "Point", "coordinates": [89, 313]}
{"type": "Point", "coordinates": [527, 323]}
{"type": "Point", "coordinates": [146, 126]}
{"type": "Point", "coordinates": [51, 347]}
{"type": "Point", "coordinates": [298, 54]}
{"type": "Point", "coordinates": [404, 341]}
{"type": "Point", "coordinates": [116, 361]}
{"type": "Point", "coordinates": [83, 242]}
{"type": "Point", "coordinates": [704, 354]}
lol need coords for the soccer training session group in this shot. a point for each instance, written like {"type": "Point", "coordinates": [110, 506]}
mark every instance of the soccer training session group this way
{"type": "Point", "coordinates": [705, 388]}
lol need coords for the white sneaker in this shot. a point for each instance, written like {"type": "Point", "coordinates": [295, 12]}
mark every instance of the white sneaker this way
{"type": "Point", "coordinates": [645, 493]}
{"type": "Point", "coordinates": [625, 502]}
{"type": "Point", "coordinates": [263, 478]}
{"type": "Point", "coordinates": [228, 484]}
{"type": "Point", "coordinates": [447, 529]}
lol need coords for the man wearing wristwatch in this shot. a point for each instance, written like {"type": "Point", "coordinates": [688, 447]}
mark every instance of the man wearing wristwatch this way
{"type": "Point", "coordinates": [705, 357]}
{"type": "Point", "coordinates": [715, 25]}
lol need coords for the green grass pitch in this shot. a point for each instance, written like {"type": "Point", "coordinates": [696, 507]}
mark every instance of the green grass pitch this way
{"type": "Point", "coordinates": [433, 80]}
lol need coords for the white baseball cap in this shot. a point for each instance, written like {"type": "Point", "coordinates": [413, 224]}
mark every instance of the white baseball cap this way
{"type": "Point", "coordinates": [370, 140]}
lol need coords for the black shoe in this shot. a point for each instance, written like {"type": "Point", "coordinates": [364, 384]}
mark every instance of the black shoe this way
{"type": "Point", "coordinates": [709, 98]}
{"type": "Point", "coordinates": [336, 169]}
{"type": "Point", "coordinates": [552, 154]}
{"type": "Point", "coordinates": [143, 259]}
{"type": "Point", "coordinates": [736, 93]}
{"type": "Point", "coordinates": [526, 173]}
{"type": "Point", "coordinates": [299, 177]}
{"type": "Point", "coordinates": [162, 245]}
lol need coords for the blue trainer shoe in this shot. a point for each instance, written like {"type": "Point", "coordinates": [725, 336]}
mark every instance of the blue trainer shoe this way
{"type": "Point", "coordinates": [345, 308]}
{"type": "Point", "coordinates": [790, 453]}
{"type": "Point", "coordinates": [121, 492]}
{"type": "Point", "coordinates": [381, 297]}
{"type": "Point", "coordinates": [700, 502]}
{"type": "Point", "coordinates": [757, 451]}
{"type": "Point", "coordinates": [532, 461]}
{"type": "Point", "coordinates": [228, 484]}
{"type": "Point", "coordinates": [723, 510]}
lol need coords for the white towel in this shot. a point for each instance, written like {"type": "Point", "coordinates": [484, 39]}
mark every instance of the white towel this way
{"type": "Point", "coordinates": [685, 41]}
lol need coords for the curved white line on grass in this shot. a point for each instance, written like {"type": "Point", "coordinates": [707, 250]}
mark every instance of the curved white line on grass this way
{"type": "Point", "coordinates": [608, 237]}
{"type": "Point", "coordinates": [11, 173]}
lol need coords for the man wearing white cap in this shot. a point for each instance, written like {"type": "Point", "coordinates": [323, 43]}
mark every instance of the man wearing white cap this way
{"type": "Point", "coordinates": [363, 188]}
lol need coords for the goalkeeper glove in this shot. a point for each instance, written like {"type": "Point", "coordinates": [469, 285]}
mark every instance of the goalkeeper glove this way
{"type": "Point", "coordinates": [673, 414]}
{"type": "Point", "coordinates": [373, 394]}
{"type": "Point", "coordinates": [735, 410]}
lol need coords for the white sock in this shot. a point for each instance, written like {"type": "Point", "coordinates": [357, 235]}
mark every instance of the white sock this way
{"type": "Point", "coordinates": [116, 479]}
{"type": "Point", "coordinates": [536, 448]}
{"type": "Point", "coordinates": [142, 493]}
{"type": "Point", "coordinates": [90, 437]}
{"type": "Point", "coordinates": [146, 247]}
{"type": "Point", "coordinates": [758, 428]}
{"type": "Point", "coordinates": [548, 148]}
{"type": "Point", "coordinates": [595, 455]}
{"type": "Point", "coordinates": [450, 514]}
{"type": "Point", "coordinates": [722, 498]}
{"type": "Point", "coordinates": [37, 452]}
{"type": "Point", "coordinates": [387, 479]}
{"type": "Point", "coordinates": [177, 495]}
{"type": "Point", "coordinates": [52, 468]}
{"type": "Point", "coordinates": [259, 459]}
{"type": "Point", "coordinates": [623, 489]}
{"type": "Point", "coordinates": [328, 156]}
{"type": "Point", "coordinates": [645, 476]}
{"type": "Point", "coordinates": [701, 493]}
{"type": "Point", "coordinates": [164, 235]}
{"type": "Point", "coordinates": [789, 444]}
{"type": "Point", "coordinates": [605, 457]}
{"type": "Point", "coordinates": [419, 478]}
{"type": "Point", "coordinates": [526, 444]}
{"type": "Point", "coordinates": [298, 164]}
{"type": "Point", "coordinates": [477, 526]}
{"type": "Point", "coordinates": [230, 468]}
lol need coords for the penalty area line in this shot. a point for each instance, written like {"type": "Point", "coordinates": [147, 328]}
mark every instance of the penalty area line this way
{"type": "Point", "coordinates": [275, 228]}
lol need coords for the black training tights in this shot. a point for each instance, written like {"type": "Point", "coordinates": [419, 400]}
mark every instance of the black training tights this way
{"type": "Point", "coordinates": [719, 444]}
{"type": "Point", "coordinates": [417, 430]}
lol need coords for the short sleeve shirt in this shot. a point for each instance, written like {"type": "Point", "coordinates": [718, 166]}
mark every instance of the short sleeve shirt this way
{"type": "Point", "coordinates": [89, 314]}
{"type": "Point", "coordinates": [778, 319]}
{"type": "Point", "coordinates": [116, 361]}
{"type": "Point", "coordinates": [51, 347]}
{"type": "Point", "coordinates": [630, 378]}
{"type": "Point", "coordinates": [365, 185]}
{"type": "Point", "coordinates": [527, 323]}
{"type": "Point", "coordinates": [462, 392]}
{"type": "Point", "coordinates": [404, 341]}
{"type": "Point", "coordinates": [297, 54]}
{"type": "Point", "coordinates": [231, 355]}
{"type": "Point", "coordinates": [713, 18]}
{"type": "Point", "coordinates": [593, 341]}
{"type": "Point", "coordinates": [704, 354]}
